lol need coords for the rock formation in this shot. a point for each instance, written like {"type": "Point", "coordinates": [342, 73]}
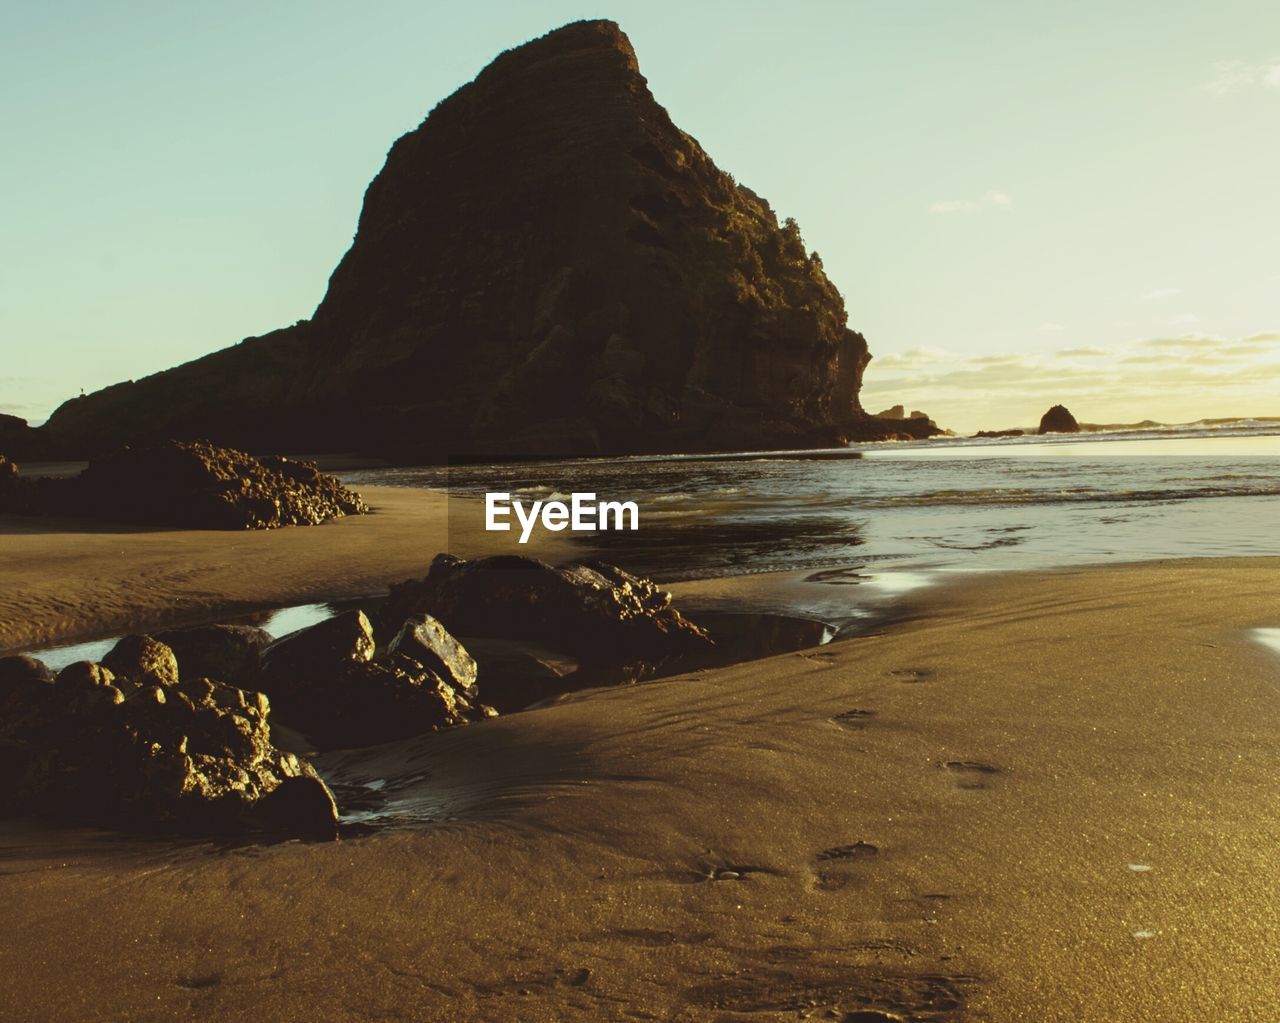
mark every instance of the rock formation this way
{"type": "Point", "coordinates": [1058, 420]}
{"type": "Point", "coordinates": [546, 265]}
{"type": "Point", "coordinates": [126, 749]}
{"type": "Point", "coordinates": [194, 485]}
{"type": "Point", "coordinates": [326, 682]}
{"type": "Point", "coordinates": [593, 611]}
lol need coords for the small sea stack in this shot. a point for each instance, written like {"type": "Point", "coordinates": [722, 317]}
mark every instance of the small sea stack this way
{"type": "Point", "coordinates": [1058, 420]}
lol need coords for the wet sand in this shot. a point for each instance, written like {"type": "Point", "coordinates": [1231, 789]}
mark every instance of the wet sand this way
{"type": "Point", "coordinates": [1043, 797]}
{"type": "Point", "coordinates": [63, 580]}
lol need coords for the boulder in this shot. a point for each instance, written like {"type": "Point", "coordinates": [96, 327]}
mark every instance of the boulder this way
{"type": "Point", "coordinates": [595, 611]}
{"type": "Point", "coordinates": [321, 648]}
{"type": "Point", "coordinates": [26, 695]}
{"type": "Point", "coordinates": [362, 703]}
{"type": "Point", "coordinates": [229, 653]}
{"type": "Point", "coordinates": [325, 682]}
{"type": "Point", "coordinates": [193, 485]}
{"type": "Point", "coordinates": [1058, 420]}
{"type": "Point", "coordinates": [142, 659]}
{"type": "Point", "coordinates": [895, 412]}
{"type": "Point", "coordinates": [423, 639]}
{"type": "Point", "coordinates": [1000, 433]}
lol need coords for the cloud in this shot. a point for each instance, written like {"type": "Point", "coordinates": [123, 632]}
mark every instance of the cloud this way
{"type": "Point", "coordinates": [1156, 294]}
{"type": "Point", "coordinates": [1183, 342]}
{"type": "Point", "coordinates": [1087, 352]}
{"type": "Point", "coordinates": [1185, 320]}
{"type": "Point", "coordinates": [1231, 77]}
{"type": "Point", "coordinates": [1171, 379]}
{"type": "Point", "coordinates": [992, 199]}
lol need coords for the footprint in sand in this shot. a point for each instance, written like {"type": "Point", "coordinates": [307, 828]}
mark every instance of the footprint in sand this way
{"type": "Point", "coordinates": [837, 866]}
{"type": "Point", "coordinates": [970, 774]}
{"type": "Point", "coordinates": [728, 872]}
{"type": "Point", "coordinates": [855, 719]}
{"type": "Point", "coordinates": [911, 675]}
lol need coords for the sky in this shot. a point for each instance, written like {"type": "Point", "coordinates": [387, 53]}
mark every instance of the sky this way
{"type": "Point", "coordinates": [1022, 203]}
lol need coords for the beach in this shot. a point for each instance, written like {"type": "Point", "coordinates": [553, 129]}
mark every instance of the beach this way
{"type": "Point", "coordinates": [1025, 796]}
{"type": "Point", "coordinates": [63, 580]}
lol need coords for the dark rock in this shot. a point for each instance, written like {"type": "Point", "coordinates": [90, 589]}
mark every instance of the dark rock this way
{"type": "Point", "coordinates": [26, 695]}
{"type": "Point", "coordinates": [19, 669]}
{"type": "Point", "coordinates": [1000, 433]}
{"type": "Point", "coordinates": [18, 439]}
{"type": "Point", "coordinates": [1058, 420]}
{"type": "Point", "coordinates": [361, 703]}
{"type": "Point", "coordinates": [595, 611]}
{"type": "Point", "coordinates": [547, 239]}
{"type": "Point", "coordinates": [85, 685]}
{"type": "Point", "coordinates": [142, 659]}
{"type": "Point", "coordinates": [321, 648]}
{"type": "Point", "coordinates": [300, 806]}
{"type": "Point", "coordinates": [228, 653]}
{"type": "Point", "coordinates": [896, 412]}
{"type": "Point", "coordinates": [192, 485]}
{"type": "Point", "coordinates": [195, 754]}
{"type": "Point", "coordinates": [426, 641]}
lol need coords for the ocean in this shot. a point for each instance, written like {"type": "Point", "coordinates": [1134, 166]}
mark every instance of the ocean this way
{"type": "Point", "coordinates": [911, 507]}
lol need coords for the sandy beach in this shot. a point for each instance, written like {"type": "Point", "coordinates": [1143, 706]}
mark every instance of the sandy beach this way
{"type": "Point", "coordinates": [63, 580]}
{"type": "Point", "coordinates": [1033, 797]}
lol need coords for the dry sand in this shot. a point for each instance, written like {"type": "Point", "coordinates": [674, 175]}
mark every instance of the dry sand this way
{"type": "Point", "coordinates": [66, 580]}
{"type": "Point", "coordinates": [1046, 797]}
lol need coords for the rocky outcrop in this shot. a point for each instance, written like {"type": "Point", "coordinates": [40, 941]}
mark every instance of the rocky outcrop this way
{"type": "Point", "coordinates": [594, 611]}
{"type": "Point", "coordinates": [999, 433]}
{"type": "Point", "coordinates": [546, 265]}
{"type": "Point", "coordinates": [18, 439]}
{"type": "Point", "coordinates": [188, 484]}
{"type": "Point", "coordinates": [124, 750]}
{"type": "Point", "coordinates": [326, 682]}
{"type": "Point", "coordinates": [1058, 420]}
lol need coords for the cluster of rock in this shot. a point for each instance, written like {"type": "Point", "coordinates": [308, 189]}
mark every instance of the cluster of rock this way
{"type": "Point", "coordinates": [131, 742]}
{"type": "Point", "coordinates": [191, 484]}
{"type": "Point", "coordinates": [334, 683]}
{"type": "Point", "coordinates": [1057, 420]}
{"type": "Point", "coordinates": [588, 623]}
{"type": "Point", "coordinates": [576, 267]}
{"type": "Point", "coordinates": [174, 730]}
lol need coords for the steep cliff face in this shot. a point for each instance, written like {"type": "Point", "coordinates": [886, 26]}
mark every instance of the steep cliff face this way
{"type": "Point", "coordinates": [546, 265]}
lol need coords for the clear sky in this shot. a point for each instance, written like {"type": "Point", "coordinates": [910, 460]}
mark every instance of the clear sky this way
{"type": "Point", "coordinates": [1022, 202]}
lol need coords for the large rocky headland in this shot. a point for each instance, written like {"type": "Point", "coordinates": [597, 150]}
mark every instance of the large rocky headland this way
{"type": "Point", "coordinates": [546, 265]}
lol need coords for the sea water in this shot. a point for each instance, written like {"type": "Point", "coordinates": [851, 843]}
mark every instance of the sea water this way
{"type": "Point", "coordinates": [917, 507]}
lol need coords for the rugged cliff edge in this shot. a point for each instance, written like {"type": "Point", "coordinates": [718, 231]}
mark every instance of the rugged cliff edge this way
{"type": "Point", "coordinates": [546, 265]}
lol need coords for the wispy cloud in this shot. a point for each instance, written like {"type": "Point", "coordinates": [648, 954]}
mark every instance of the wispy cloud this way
{"type": "Point", "coordinates": [1231, 77]}
{"type": "Point", "coordinates": [1156, 294]}
{"type": "Point", "coordinates": [993, 199]}
{"type": "Point", "coordinates": [1085, 352]}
